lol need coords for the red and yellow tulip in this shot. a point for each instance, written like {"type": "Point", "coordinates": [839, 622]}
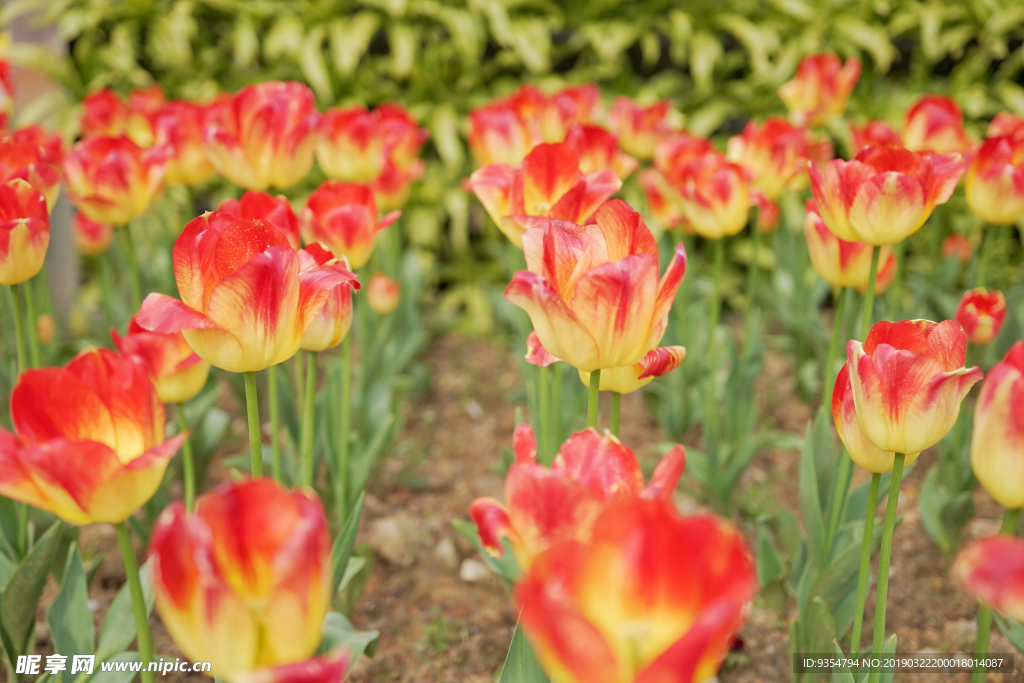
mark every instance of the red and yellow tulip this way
{"type": "Point", "coordinates": [714, 196]}
{"type": "Point", "coordinates": [111, 179]}
{"type": "Point", "coordinates": [547, 506]}
{"type": "Point", "coordinates": [995, 180]}
{"type": "Point", "coordinates": [244, 305]}
{"type": "Point", "coordinates": [997, 446]}
{"type": "Point", "coordinates": [957, 246]}
{"type": "Point", "coordinates": [91, 238]}
{"type": "Point", "coordinates": [671, 156]}
{"type": "Point", "coordinates": [597, 149]}
{"type": "Point", "coordinates": [90, 439]}
{"type": "Point", "coordinates": [177, 372]}
{"type": "Point", "coordinates": [874, 134]}
{"type": "Point", "coordinates": [105, 114]}
{"type": "Point", "coordinates": [383, 294]}
{"type": "Point", "coordinates": [992, 570]}
{"type": "Point", "coordinates": [178, 126]}
{"type": "Point", "coordinates": [35, 157]}
{"type": "Point", "coordinates": [344, 217]}
{"type": "Point", "coordinates": [841, 263]}
{"type": "Point", "coordinates": [578, 104]}
{"type": "Point", "coordinates": [884, 194]}
{"type": "Point", "coordinates": [775, 152]}
{"type": "Point", "coordinates": [276, 210]}
{"type": "Point", "coordinates": [935, 124]}
{"type": "Point", "coordinates": [333, 322]}
{"type": "Point", "coordinates": [24, 231]}
{"type": "Point", "coordinates": [844, 413]}
{"type": "Point", "coordinates": [981, 313]}
{"type": "Point", "coordinates": [505, 130]}
{"type": "Point", "coordinates": [908, 379]}
{"type": "Point", "coordinates": [592, 291]}
{"type": "Point", "coordinates": [1005, 123]}
{"type": "Point", "coordinates": [639, 128]}
{"type": "Point", "coordinates": [244, 582]}
{"type": "Point", "coordinates": [652, 597]}
{"type": "Point", "coordinates": [331, 668]}
{"type": "Point", "coordinates": [820, 88]}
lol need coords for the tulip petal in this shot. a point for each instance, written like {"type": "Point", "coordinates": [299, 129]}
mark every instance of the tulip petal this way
{"type": "Point", "coordinates": [602, 464]}
{"type": "Point", "coordinates": [536, 354]}
{"type": "Point", "coordinates": [667, 474]}
{"type": "Point", "coordinates": [548, 172]}
{"type": "Point", "coordinates": [624, 231]}
{"type": "Point", "coordinates": [524, 444]}
{"type": "Point", "coordinates": [997, 444]}
{"type": "Point", "coordinates": [662, 360]}
{"type": "Point", "coordinates": [492, 523]}
{"type": "Point", "coordinates": [992, 570]}
{"type": "Point", "coordinates": [15, 480]}
{"type": "Point", "coordinates": [888, 208]}
{"type": "Point", "coordinates": [600, 185]}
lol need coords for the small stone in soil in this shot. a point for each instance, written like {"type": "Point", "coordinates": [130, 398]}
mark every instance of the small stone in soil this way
{"type": "Point", "coordinates": [473, 570]}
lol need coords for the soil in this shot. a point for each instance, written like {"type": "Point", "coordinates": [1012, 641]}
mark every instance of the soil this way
{"type": "Point", "coordinates": [443, 620]}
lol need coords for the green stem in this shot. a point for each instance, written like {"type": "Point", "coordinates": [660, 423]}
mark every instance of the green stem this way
{"type": "Point", "coordinates": [135, 280]}
{"type": "Point", "coordinates": [299, 373]}
{"type": "Point", "coordinates": [275, 425]}
{"type": "Point", "coordinates": [107, 287]}
{"type": "Point", "coordinates": [543, 419]}
{"type": "Point", "coordinates": [188, 464]}
{"type": "Point", "coordinates": [253, 410]}
{"type": "Point", "coordinates": [710, 403]}
{"type": "Point", "coordinates": [346, 407]}
{"type": "Point", "coordinates": [983, 256]}
{"type": "Point", "coordinates": [19, 331]}
{"type": "Point", "coordinates": [882, 595]}
{"type": "Point", "coordinates": [752, 277]}
{"type": "Point", "coordinates": [865, 564]}
{"type": "Point", "coordinates": [595, 392]}
{"type": "Point", "coordinates": [833, 347]}
{"type": "Point", "coordinates": [869, 296]}
{"type": "Point", "coordinates": [840, 490]}
{"type": "Point", "coordinates": [556, 413]}
{"type": "Point", "coordinates": [21, 510]}
{"type": "Point", "coordinates": [616, 407]}
{"type": "Point", "coordinates": [30, 324]}
{"type": "Point", "coordinates": [308, 418]}
{"type": "Point", "coordinates": [131, 570]}
{"type": "Point", "coordinates": [896, 288]}
{"type": "Point", "coordinates": [985, 612]}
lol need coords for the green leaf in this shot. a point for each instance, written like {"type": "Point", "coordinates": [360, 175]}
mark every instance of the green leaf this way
{"type": "Point", "coordinates": [116, 676]}
{"type": "Point", "coordinates": [821, 627]}
{"type": "Point", "coordinates": [874, 39]}
{"type": "Point", "coordinates": [531, 41]}
{"type": "Point", "coordinates": [888, 648]}
{"type": "Point", "coordinates": [69, 617]}
{"type": "Point", "coordinates": [1013, 630]}
{"type": "Point", "coordinates": [810, 502]}
{"type": "Point", "coordinates": [521, 663]}
{"type": "Point", "coordinates": [932, 498]}
{"type": "Point", "coordinates": [352, 567]}
{"type": "Point", "coordinates": [339, 632]}
{"type": "Point", "coordinates": [504, 566]}
{"type": "Point", "coordinates": [118, 629]}
{"type": "Point", "coordinates": [361, 465]}
{"type": "Point", "coordinates": [314, 68]}
{"type": "Point", "coordinates": [349, 40]}
{"type": "Point", "coordinates": [246, 44]}
{"type": "Point", "coordinates": [405, 43]}
{"type": "Point", "coordinates": [770, 564]}
{"type": "Point", "coordinates": [840, 674]}
{"type": "Point", "coordinates": [705, 51]}
{"type": "Point", "coordinates": [342, 549]}
{"type": "Point", "coordinates": [284, 38]}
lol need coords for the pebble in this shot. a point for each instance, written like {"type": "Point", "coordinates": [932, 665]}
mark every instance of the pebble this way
{"type": "Point", "coordinates": [472, 570]}
{"type": "Point", "coordinates": [446, 554]}
{"type": "Point", "coordinates": [389, 537]}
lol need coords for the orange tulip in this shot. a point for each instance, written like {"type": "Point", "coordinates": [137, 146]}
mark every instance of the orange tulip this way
{"type": "Point", "coordinates": [245, 581]}
{"type": "Point", "coordinates": [908, 379]}
{"type": "Point", "coordinates": [579, 104]}
{"type": "Point", "coordinates": [111, 179]}
{"type": "Point", "coordinates": [598, 149]}
{"type": "Point", "coordinates": [91, 238]}
{"type": "Point", "coordinates": [958, 247]}
{"type": "Point", "coordinates": [105, 114]}
{"type": "Point", "coordinates": [841, 263]}
{"type": "Point", "coordinates": [995, 180]}
{"type": "Point", "coordinates": [177, 372]}
{"type": "Point", "coordinates": [259, 205]}
{"type": "Point", "coordinates": [264, 136]}
{"type": "Point", "coordinates": [997, 446]}
{"type": "Point", "coordinates": [333, 322]}
{"type": "Point", "coordinates": [874, 134]}
{"type": "Point", "coordinates": [33, 156]}
{"type": "Point", "coordinates": [344, 217]}
{"type": "Point", "coordinates": [884, 194]}
{"type": "Point", "coordinates": [992, 570]}
{"type": "Point", "coordinates": [592, 291]}
{"type": "Point", "coordinates": [935, 124]}
{"type": "Point", "coordinates": [506, 129]}
{"type": "Point", "coordinates": [546, 506]}
{"type": "Point", "coordinates": [179, 127]}
{"type": "Point", "coordinates": [981, 313]}
{"type": "Point", "coordinates": [90, 439]}
{"type": "Point", "coordinates": [652, 597]}
{"type": "Point", "coordinates": [640, 129]}
{"type": "Point", "coordinates": [383, 294]}
{"type": "Point", "coordinates": [775, 152]}
{"type": "Point", "coordinates": [244, 305]}
{"type": "Point", "coordinates": [820, 88]}
{"type": "Point", "coordinates": [547, 185]}
{"type": "Point", "coordinates": [24, 232]}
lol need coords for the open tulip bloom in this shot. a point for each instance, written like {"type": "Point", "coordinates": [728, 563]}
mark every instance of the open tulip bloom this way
{"type": "Point", "coordinates": [776, 152]}
{"type": "Point", "coordinates": [344, 217]}
{"type": "Point", "coordinates": [841, 263]}
{"type": "Point", "coordinates": [992, 570]}
{"type": "Point", "coordinates": [640, 129]}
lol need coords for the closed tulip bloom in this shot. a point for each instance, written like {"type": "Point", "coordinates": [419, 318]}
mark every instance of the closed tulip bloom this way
{"type": "Point", "coordinates": [546, 506]}
{"type": "Point", "coordinates": [331, 668]}
{"type": "Point", "coordinates": [111, 179]}
{"type": "Point", "coordinates": [652, 597]}
{"type": "Point", "coordinates": [276, 210]}
{"type": "Point", "coordinates": [579, 104]}
{"type": "Point", "coordinates": [1005, 123]}
{"type": "Point", "coordinates": [935, 124]}
{"type": "Point", "coordinates": [176, 371]}
{"type": "Point", "coordinates": [245, 581]}
{"type": "Point", "coordinates": [908, 381]}
{"type": "Point", "coordinates": [105, 114]}
{"type": "Point", "coordinates": [383, 294]}
{"type": "Point", "coordinates": [820, 88]}
{"type": "Point", "coordinates": [24, 232]}
{"type": "Point", "coordinates": [874, 134]}
{"type": "Point", "coordinates": [885, 194]}
{"type": "Point", "coordinates": [958, 247]}
{"type": "Point", "coordinates": [714, 196]}
{"type": "Point", "coordinates": [91, 238]}
{"type": "Point", "coordinates": [995, 180]}
{"type": "Point", "coordinates": [981, 313]}
{"type": "Point", "coordinates": [266, 137]}
{"type": "Point", "coordinates": [90, 439]}
{"type": "Point", "coordinates": [333, 322]}
{"type": "Point", "coordinates": [660, 183]}
{"type": "Point", "coordinates": [992, 570]}
{"type": "Point", "coordinates": [244, 305]}
{"type": "Point", "coordinates": [547, 185]}
{"type": "Point", "coordinates": [592, 291]}
{"type": "Point", "coordinates": [506, 129]}
{"type": "Point", "coordinates": [841, 263]}
{"type": "Point", "coordinates": [179, 127]}
{"type": "Point", "coordinates": [344, 217]}
{"type": "Point", "coordinates": [35, 158]}
{"type": "Point", "coordinates": [356, 145]}
{"type": "Point", "coordinates": [775, 152]}
{"type": "Point", "coordinates": [844, 413]}
{"type": "Point", "coordinates": [597, 149]}
{"type": "Point", "coordinates": [640, 129]}
{"type": "Point", "coordinates": [997, 445]}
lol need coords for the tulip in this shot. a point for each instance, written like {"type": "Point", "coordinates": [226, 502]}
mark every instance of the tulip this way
{"type": "Point", "coordinates": [935, 124]}
{"type": "Point", "coordinates": [506, 129]}
{"type": "Point", "coordinates": [874, 134]}
{"type": "Point", "coordinates": [50, 146]}
{"type": "Point", "coordinates": [844, 413]}
{"type": "Point", "coordinates": [659, 184]}
{"type": "Point", "coordinates": [393, 187]}
{"type": "Point", "coordinates": [997, 446]}
{"type": "Point", "coordinates": [662, 199]}
{"type": "Point", "coordinates": [573, 105]}
{"type": "Point", "coordinates": [1005, 123]}
{"type": "Point", "coordinates": [244, 304]}
{"type": "Point", "coordinates": [652, 597]}
{"type": "Point", "coordinates": [767, 211]}
{"type": "Point", "coordinates": [592, 291]}
{"type": "Point", "coordinates": [6, 93]}
{"type": "Point", "coordinates": [24, 232]}
{"type": "Point", "coordinates": [91, 238]}
{"type": "Point", "coordinates": [111, 179]}
{"type": "Point", "coordinates": [105, 114]}
{"type": "Point", "coordinates": [265, 137]}
{"type": "Point", "coordinates": [46, 328]}
{"type": "Point", "coordinates": [958, 247]}
{"type": "Point", "coordinates": [356, 145]}
{"type": "Point", "coordinates": [981, 313]}
{"type": "Point", "coordinates": [640, 129]}
{"type": "Point", "coordinates": [841, 263]}
{"type": "Point", "coordinates": [259, 205]}
{"type": "Point", "coordinates": [547, 185]}
{"type": "Point", "coordinates": [344, 217]}
{"type": "Point", "coordinates": [547, 506]}
{"type": "Point", "coordinates": [714, 196]}
{"type": "Point", "coordinates": [908, 381]}
{"type": "Point", "coordinates": [333, 322]}
{"type": "Point", "coordinates": [177, 372]}
{"type": "Point", "coordinates": [995, 180]}
{"type": "Point", "coordinates": [245, 581]}
{"type": "Point", "coordinates": [884, 194]}
{"type": "Point", "coordinates": [383, 294]}
{"type": "Point", "coordinates": [179, 127]}
{"type": "Point", "coordinates": [331, 668]}
{"type": "Point", "coordinates": [775, 152]}
{"type": "Point", "coordinates": [992, 570]}
{"type": "Point", "coordinates": [90, 439]}
{"type": "Point", "coordinates": [32, 156]}
{"type": "Point", "coordinates": [598, 149]}
{"type": "Point", "coordinates": [820, 89]}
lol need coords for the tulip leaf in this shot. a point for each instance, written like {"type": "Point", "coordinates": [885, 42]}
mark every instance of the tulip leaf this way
{"type": "Point", "coordinates": [362, 465]}
{"type": "Point", "coordinates": [69, 617]}
{"type": "Point", "coordinates": [339, 632]}
{"type": "Point", "coordinates": [346, 538]}
{"type": "Point", "coordinates": [521, 663]}
{"type": "Point", "coordinates": [7, 569]}
{"type": "Point", "coordinates": [810, 502]}
{"type": "Point", "coordinates": [118, 629]}
{"type": "Point", "coordinates": [770, 564]}
{"type": "Point", "coordinates": [820, 629]}
{"type": "Point", "coordinates": [840, 674]}
{"type": "Point", "coordinates": [888, 648]}
{"type": "Point", "coordinates": [116, 676]}
{"type": "Point", "coordinates": [1013, 630]}
{"type": "Point", "coordinates": [353, 567]}
{"type": "Point", "coordinates": [933, 497]}
{"type": "Point", "coordinates": [504, 565]}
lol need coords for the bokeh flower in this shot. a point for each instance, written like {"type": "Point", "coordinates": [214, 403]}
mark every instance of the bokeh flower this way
{"type": "Point", "coordinates": [111, 179]}
{"type": "Point", "coordinates": [820, 88]}
{"type": "Point", "coordinates": [997, 445]}
{"type": "Point", "coordinates": [935, 124]}
{"type": "Point", "coordinates": [344, 217]}
{"type": "Point", "coordinates": [177, 372]}
{"type": "Point", "coordinates": [981, 313]}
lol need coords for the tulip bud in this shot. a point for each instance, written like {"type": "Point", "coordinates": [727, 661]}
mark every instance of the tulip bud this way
{"type": "Point", "coordinates": [820, 88]}
{"type": "Point", "coordinates": [995, 180]}
{"type": "Point", "coordinates": [344, 217]}
{"type": "Point", "coordinates": [997, 444]}
{"type": "Point", "coordinates": [111, 179]}
{"type": "Point", "coordinates": [506, 129]}
{"type": "Point", "coordinates": [178, 126]}
{"type": "Point", "coordinates": [46, 328]}
{"type": "Point", "coordinates": [935, 124]}
{"type": "Point", "coordinates": [177, 372]}
{"type": "Point", "coordinates": [981, 313]}
{"type": "Point", "coordinates": [862, 451]}
{"type": "Point", "coordinates": [992, 570]}
{"type": "Point", "coordinates": [578, 104]}
{"type": "Point", "coordinates": [91, 238]}
{"type": "Point", "coordinates": [29, 154]}
{"type": "Point", "coordinates": [24, 232]}
{"type": "Point", "coordinates": [383, 294]}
